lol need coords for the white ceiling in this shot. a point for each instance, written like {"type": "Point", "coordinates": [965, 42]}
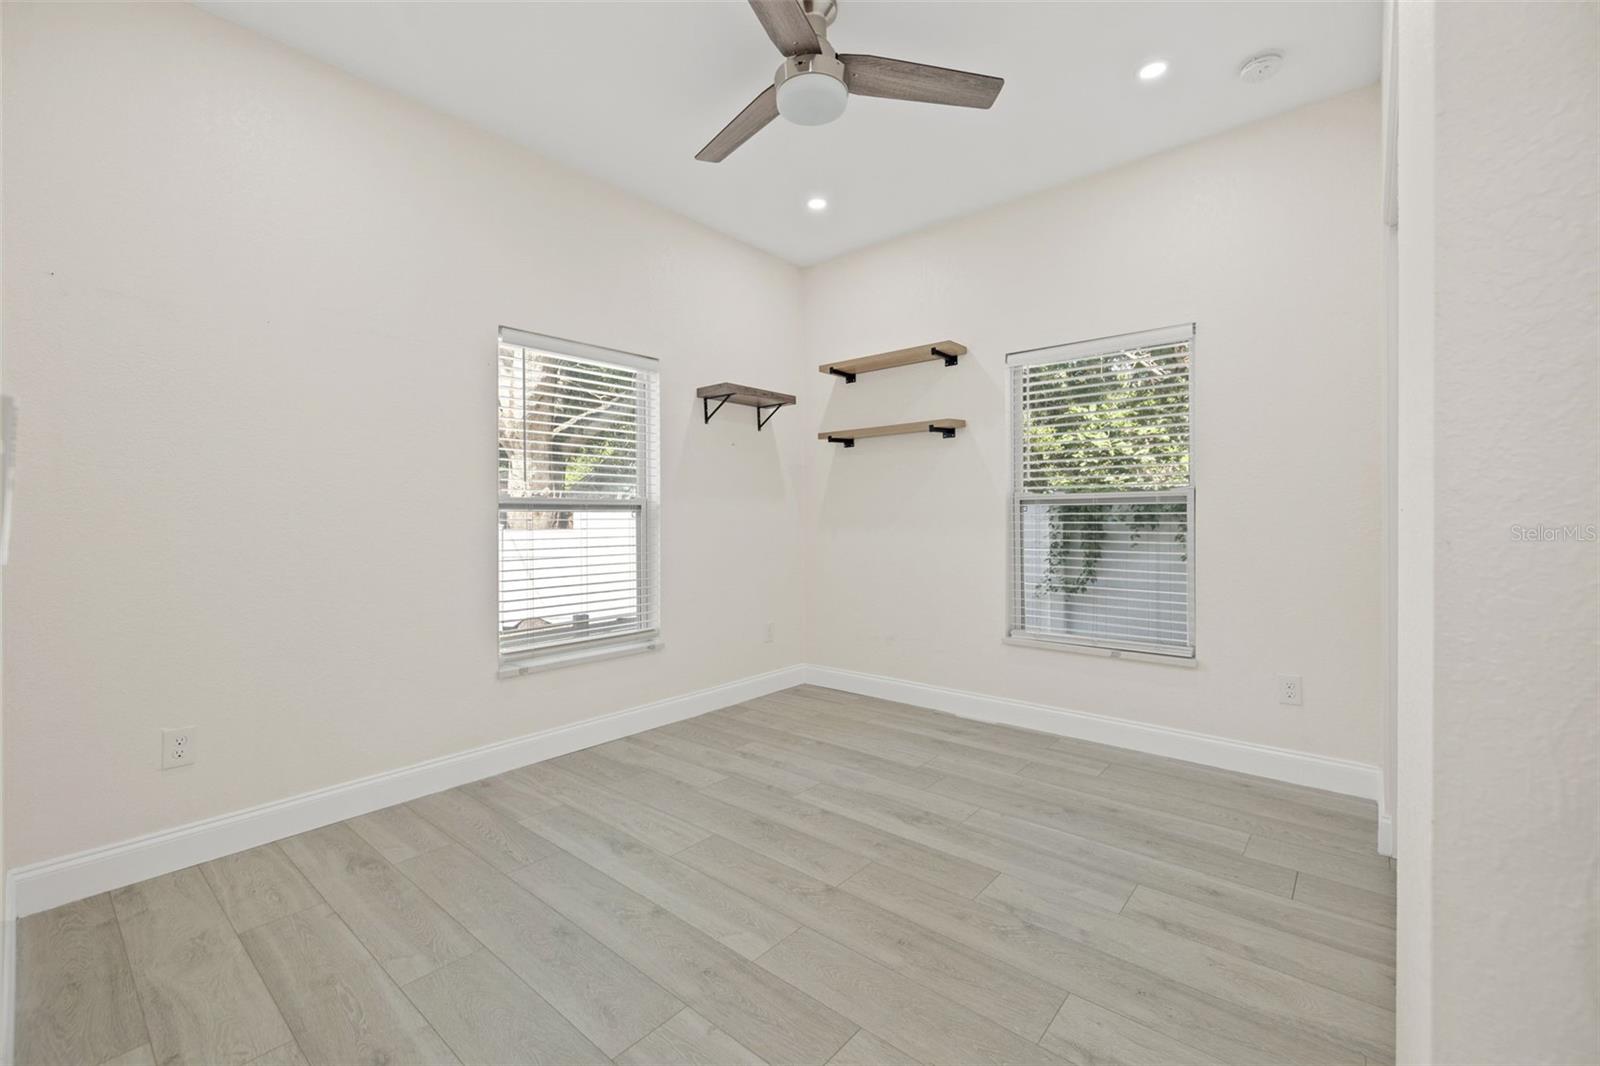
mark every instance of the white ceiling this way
{"type": "Point", "coordinates": [629, 91]}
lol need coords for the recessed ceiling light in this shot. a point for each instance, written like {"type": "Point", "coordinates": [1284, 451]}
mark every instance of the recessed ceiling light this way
{"type": "Point", "coordinates": [817, 203]}
{"type": "Point", "coordinates": [1152, 71]}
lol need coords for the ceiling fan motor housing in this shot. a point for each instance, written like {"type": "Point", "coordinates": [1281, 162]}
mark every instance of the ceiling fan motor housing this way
{"type": "Point", "coordinates": [811, 89]}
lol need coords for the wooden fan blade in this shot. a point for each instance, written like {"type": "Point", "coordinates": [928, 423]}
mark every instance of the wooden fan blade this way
{"type": "Point", "coordinates": [786, 23]}
{"type": "Point", "coordinates": [745, 125]}
{"type": "Point", "coordinates": [896, 79]}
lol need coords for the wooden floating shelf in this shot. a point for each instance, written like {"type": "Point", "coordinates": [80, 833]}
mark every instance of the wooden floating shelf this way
{"type": "Point", "coordinates": [945, 427]}
{"type": "Point", "coordinates": [744, 395]}
{"type": "Point", "coordinates": [949, 351]}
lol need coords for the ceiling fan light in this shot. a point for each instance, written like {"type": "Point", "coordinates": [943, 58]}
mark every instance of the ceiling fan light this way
{"type": "Point", "coordinates": [812, 98]}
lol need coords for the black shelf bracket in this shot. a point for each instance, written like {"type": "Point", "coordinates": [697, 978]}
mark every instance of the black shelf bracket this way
{"type": "Point", "coordinates": [848, 442]}
{"type": "Point", "coordinates": [705, 404]}
{"type": "Point", "coordinates": [949, 360]}
{"type": "Point", "coordinates": [761, 419]}
{"type": "Point", "coordinates": [944, 431]}
{"type": "Point", "coordinates": [849, 378]}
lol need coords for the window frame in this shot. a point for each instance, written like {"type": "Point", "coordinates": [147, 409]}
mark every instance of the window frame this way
{"type": "Point", "coordinates": [647, 506]}
{"type": "Point", "coordinates": [1014, 632]}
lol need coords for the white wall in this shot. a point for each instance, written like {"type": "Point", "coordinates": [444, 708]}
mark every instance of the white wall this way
{"type": "Point", "coordinates": [8, 926]}
{"type": "Point", "coordinates": [1500, 378]}
{"type": "Point", "coordinates": [250, 314]}
{"type": "Point", "coordinates": [1269, 238]}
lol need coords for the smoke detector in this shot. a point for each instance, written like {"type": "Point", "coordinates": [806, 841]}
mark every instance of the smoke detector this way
{"type": "Point", "coordinates": [1260, 68]}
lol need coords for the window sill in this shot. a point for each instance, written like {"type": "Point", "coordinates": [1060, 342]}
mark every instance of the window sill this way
{"type": "Point", "coordinates": [1187, 662]}
{"type": "Point", "coordinates": [572, 657]}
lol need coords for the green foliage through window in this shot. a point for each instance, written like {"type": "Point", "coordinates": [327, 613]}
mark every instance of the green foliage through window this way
{"type": "Point", "coordinates": [1112, 422]}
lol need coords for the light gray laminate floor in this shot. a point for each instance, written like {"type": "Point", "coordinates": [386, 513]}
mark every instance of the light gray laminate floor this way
{"type": "Point", "coordinates": [811, 877]}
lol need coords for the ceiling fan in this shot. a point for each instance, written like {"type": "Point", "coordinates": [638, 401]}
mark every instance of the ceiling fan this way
{"type": "Point", "coordinates": [814, 82]}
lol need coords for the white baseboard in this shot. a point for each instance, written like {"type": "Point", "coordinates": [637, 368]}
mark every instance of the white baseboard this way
{"type": "Point", "coordinates": [43, 885]}
{"type": "Point", "coordinates": [1281, 764]}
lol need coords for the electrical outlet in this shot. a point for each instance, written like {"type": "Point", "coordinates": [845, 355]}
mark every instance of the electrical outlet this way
{"type": "Point", "coordinates": [177, 747]}
{"type": "Point", "coordinates": [1290, 691]}
{"type": "Point", "coordinates": [772, 628]}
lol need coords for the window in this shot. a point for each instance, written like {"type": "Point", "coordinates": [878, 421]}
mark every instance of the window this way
{"type": "Point", "coordinates": [1102, 505]}
{"type": "Point", "coordinates": [578, 500]}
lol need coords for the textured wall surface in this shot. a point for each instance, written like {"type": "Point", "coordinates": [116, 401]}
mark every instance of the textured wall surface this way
{"type": "Point", "coordinates": [1517, 702]}
{"type": "Point", "coordinates": [1515, 730]}
{"type": "Point", "coordinates": [8, 928]}
{"type": "Point", "coordinates": [249, 311]}
{"type": "Point", "coordinates": [1270, 239]}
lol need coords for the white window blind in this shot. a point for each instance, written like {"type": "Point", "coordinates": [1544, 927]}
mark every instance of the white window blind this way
{"type": "Point", "coordinates": [1102, 506]}
{"type": "Point", "coordinates": [578, 498]}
